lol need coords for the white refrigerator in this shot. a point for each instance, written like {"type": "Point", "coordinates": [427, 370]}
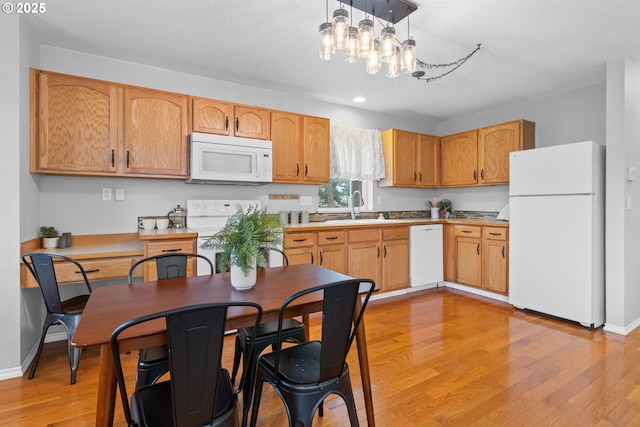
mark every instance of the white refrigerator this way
{"type": "Point", "coordinates": [556, 231]}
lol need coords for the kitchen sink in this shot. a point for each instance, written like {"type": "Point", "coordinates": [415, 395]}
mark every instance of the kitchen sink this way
{"type": "Point", "coordinates": [360, 221]}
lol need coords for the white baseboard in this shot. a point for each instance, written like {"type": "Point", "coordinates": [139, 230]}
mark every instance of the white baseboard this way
{"type": "Point", "coordinates": [19, 371]}
{"type": "Point", "coordinates": [622, 330]}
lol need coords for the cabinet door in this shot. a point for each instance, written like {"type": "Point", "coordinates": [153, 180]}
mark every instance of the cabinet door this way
{"type": "Point", "coordinates": [315, 150]}
{"type": "Point", "coordinates": [333, 257]}
{"type": "Point", "coordinates": [305, 255]}
{"type": "Point", "coordinates": [404, 158]}
{"type": "Point", "coordinates": [155, 133]}
{"type": "Point", "coordinates": [395, 265]}
{"type": "Point", "coordinates": [469, 265]}
{"type": "Point", "coordinates": [285, 138]}
{"type": "Point", "coordinates": [78, 122]}
{"type": "Point", "coordinates": [494, 145]}
{"type": "Point", "coordinates": [449, 247]}
{"type": "Point", "coordinates": [211, 116]}
{"type": "Point", "coordinates": [252, 122]}
{"type": "Point", "coordinates": [459, 159]}
{"type": "Point", "coordinates": [365, 260]}
{"type": "Point", "coordinates": [495, 272]}
{"type": "Point", "coordinates": [428, 161]}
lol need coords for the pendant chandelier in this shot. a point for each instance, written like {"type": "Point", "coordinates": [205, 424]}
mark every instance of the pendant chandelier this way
{"type": "Point", "coordinates": [360, 42]}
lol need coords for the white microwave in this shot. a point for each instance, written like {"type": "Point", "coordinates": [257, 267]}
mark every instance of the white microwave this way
{"type": "Point", "coordinates": [217, 159]}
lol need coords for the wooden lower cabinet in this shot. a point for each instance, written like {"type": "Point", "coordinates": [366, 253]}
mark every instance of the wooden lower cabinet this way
{"type": "Point", "coordinates": [477, 256]}
{"type": "Point", "coordinates": [395, 265]}
{"type": "Point", "coordinates": [332, 250]}
{"type": "Point", "coordinates": [168, 246]}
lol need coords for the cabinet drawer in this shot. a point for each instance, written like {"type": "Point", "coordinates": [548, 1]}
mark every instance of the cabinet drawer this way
{"type": "Point", "coordinates": [366, 235]}
{"type": "Point", "coordinates": [331, 237]}
{"type": "Point", "coordinates": [299, 240]}
{"type": "Point", "coordinates": [468, 231]}
{"type": "Point", "coordinates": [495, 233]}
{"type": "Point", "coordinates": [397, 233]}
{"type": "Point", "coordinates": [171, 246]}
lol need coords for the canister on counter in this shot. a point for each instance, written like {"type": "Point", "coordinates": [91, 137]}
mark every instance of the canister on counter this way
{"type": "Point", "coordinates": [67, 237]}
{"type": "Point", "coordinates": [284, 217]}
{"type": "Point", "coordinates": [304, 217]}
{"type": "Point", "coordinates": [294, 218]}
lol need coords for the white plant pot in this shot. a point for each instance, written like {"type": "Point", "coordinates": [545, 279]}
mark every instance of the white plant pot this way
{"type": "Point", "coordinates": [49, 242]}
{"type": "Point", "coordinates": [240, 281]}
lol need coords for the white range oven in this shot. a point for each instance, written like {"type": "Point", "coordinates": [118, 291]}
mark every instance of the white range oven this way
{"type": "Point", "coordinates": [207, 217]}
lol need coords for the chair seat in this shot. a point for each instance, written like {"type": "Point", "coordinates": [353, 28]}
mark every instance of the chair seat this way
{"type": "Point", "coordinates": [152, 404]}
{"type": "Point", "coordinates": [303, 362]}
{"type": "Point", "coordinates": [290, 329]}
{"type": "Point", "coordinates": [75, 304]}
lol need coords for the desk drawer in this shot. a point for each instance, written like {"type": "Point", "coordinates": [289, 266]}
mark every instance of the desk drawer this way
{"type": "Point", "coordinates": [159, 247]}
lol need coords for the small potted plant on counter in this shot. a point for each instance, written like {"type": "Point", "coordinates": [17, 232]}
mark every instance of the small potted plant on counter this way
{"type": "Point", "coordinates": [445, 208]}
{"type": "Point", "coordinates": [49, 237]}
{"type": "Point", "coordinates": [242, 241]}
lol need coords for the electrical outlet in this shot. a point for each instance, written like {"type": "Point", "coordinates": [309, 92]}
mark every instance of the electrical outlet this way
{"type": "Point", "coordinates": [119, 194]}
{"type": "Point", "coordinates": [106, 193]}
{"type": "Point", "coordinates": [306, 200]}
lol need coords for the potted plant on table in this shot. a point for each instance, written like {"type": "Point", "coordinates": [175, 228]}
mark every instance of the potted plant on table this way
{"type": "Point", "coordinates": [49, 237]}
{"type": "Point", "coordinates": [242, 242]}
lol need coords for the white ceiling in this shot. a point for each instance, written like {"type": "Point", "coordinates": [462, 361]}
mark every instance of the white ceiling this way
{"type": "Point", "coordinates": [530, 48]}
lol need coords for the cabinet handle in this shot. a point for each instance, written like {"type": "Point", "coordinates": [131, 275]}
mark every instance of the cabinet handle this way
{"type": "Point", "coordinates": [466, 231]}
{"type": "Point", "coordinates": [299, 240]}
{"type": "Point", "coordinates": [414, 176]}
{"type": "Point", "coordinates": [95, 270]}
{"type": "Point", "coordinates": [172, 250]}
{"type": "Point", "coordinates": [385, 251]}
{"type": "Point", "coordinates": [482, 173]}
{"type": "Point", "coordinates": [306, 170]}
{"type": "Point", "coordinates": [128, 156]}
{"type": "Point", "coordinates": [237, 124]}
{"type": "Point", "coordinates": [420, 176]}
{"type": "Point", "coordinates": [226, 123]}
{"type": "Point", "coordinates": [503, 252]}
{"type": "Point", "coordinates": [478, 248]}
{"type": "Point", "coordinates": [378, 252]}
{"type": "Point", "coordinates": [495, 234]}
{"type": "Point", "coordinates": [475, 175]}
{"type": "Point", "coordinates": [321, 258]}
{"type": "Point", "coordinates": [332, 238]}
{"type": "Point", "coordinates": [113, 158]}
{"type": "Point", "coordinates": [297, 169]}
{"type": "Point", "coordinates": [312, 259]}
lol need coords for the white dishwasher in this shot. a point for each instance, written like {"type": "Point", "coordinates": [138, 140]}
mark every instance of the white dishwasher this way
{"type": "Point", "coordinates": [426, 254]}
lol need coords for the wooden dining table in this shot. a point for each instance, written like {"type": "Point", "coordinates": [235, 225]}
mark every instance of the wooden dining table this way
{"type": "Point", "coordinates": [110, 306]}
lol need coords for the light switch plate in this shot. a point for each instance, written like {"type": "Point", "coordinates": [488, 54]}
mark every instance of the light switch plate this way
{"type": "Point", "coordinates": [306, 200]}
{"type": "Point", "coordinates": [119, 194]}
{"type": "Point", "coordinates": [106, 193]}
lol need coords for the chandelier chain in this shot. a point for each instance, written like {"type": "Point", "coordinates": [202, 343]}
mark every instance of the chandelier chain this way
{"type": "Point", "coordinates": [455, 65]}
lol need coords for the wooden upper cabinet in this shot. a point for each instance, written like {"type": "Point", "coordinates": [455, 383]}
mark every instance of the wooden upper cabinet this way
{"type": "Point", "coordinates": [77, 124]}
{"type": "Point", "coordinates": [251, 122]}
{"type": "Point", "coordinates": [285, 138]}
{"type": "Point", "coordinates": [225, 118]}
{"type": "Point", "coordinates": [411, 159]}
{"type": "Point", "coordinates": [155, 133]}
{"type": "Point", "coordinates": [315, 150]}
{"type": "Point", "coordinates": [494, 145]}
{"type": "Point", "coordinates": [459, 159]}
{"type": "Point", "coordinates": [211, 116]}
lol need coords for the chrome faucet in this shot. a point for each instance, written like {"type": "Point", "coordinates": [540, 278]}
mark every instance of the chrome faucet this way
{"type": "Point", "coordinates": [355, 213]}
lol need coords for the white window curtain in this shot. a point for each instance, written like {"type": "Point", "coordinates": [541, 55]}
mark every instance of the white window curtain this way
{"type": "Point", "coordinates": [356, 154]}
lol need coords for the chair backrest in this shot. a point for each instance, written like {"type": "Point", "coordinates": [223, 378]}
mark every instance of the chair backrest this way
{"type": "Point", "coordinates": [195, 337]}
{"type": "Point", "coordinates": [339, 321]}
{"type": "Point", "coordinates": [265, 254]}
{"type": "Point", "coordinates": [42, 268]}
{"type": "Point", "coordinates": [170, 266]}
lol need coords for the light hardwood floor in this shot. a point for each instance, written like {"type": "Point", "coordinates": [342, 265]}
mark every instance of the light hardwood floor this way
{"type": "Point", "coordinates": [438, 358]}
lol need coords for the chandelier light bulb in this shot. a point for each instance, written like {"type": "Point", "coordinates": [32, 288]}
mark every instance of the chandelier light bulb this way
{"type": "Point", "coordinates": [373, 63]}
{"type": "Point", "coordinates": [408, 62]}
{"type": "Point", "coordinates": [340, 28]}
{"type": "Point", "coordinates": [327, 48]}
{"type": "Point", "coordinates": [365, 33]}
{"type": "Point", "coordinates": [351, 51]}
{"type": "Point", "coordinates": [388, 44]}
{"type": "Point", "coordinates": [393, 69]}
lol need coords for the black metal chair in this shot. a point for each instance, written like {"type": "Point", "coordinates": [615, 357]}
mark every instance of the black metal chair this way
{"type": "Point", "coordinates": [66, 313]}
{"type": "Point", "coordinates": [265, 336]}
{"type": "Point", "coordinates": [199, 392]}
{"type": "Point", "coordinates": [153, 362]}
{"type": "Point", "coordinates": [305, 374]}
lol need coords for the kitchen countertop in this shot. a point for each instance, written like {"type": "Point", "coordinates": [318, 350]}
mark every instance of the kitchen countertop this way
{"type": "Point", "coordinates": [369, 223]}
{"type": "Point", "coordinates": [167, 233]}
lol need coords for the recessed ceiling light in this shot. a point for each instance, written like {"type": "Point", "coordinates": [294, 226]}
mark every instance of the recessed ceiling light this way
{"type": "Point", "coordinates": [359, 99]}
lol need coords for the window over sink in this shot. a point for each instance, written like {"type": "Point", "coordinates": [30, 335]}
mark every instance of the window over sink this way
{"type": "Point", "coordinates": [336, 196]}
